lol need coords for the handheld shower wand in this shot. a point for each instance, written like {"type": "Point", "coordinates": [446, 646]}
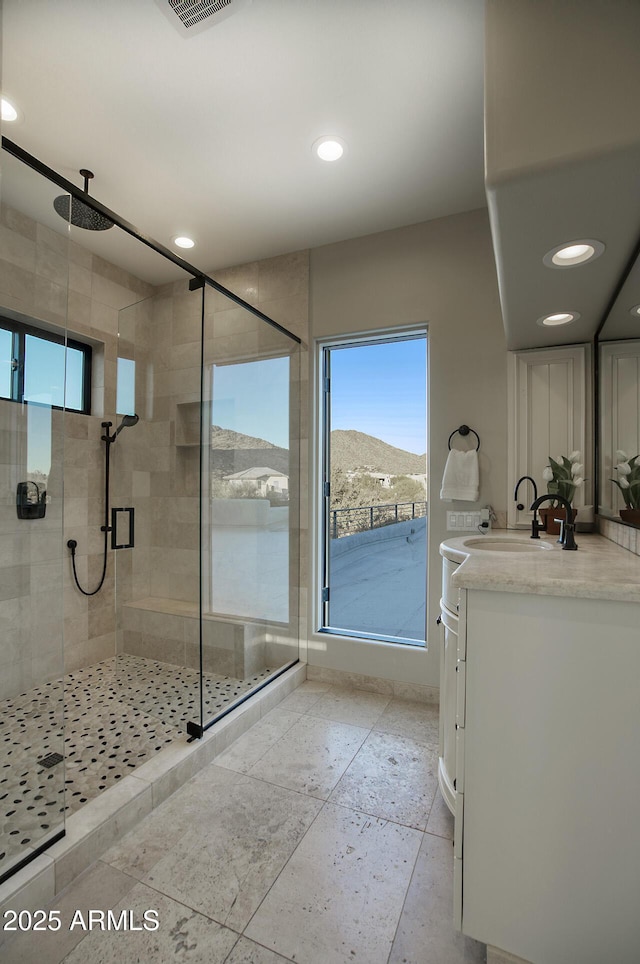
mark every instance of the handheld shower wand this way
{"type": "Point", "coordinates": [127, 422]}
{"type": "Point", "coordinates": [72, 545]}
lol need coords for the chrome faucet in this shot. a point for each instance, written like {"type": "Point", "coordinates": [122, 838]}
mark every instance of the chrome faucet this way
{"type": "Point", "coordinates": [566, 536]}
{"type": "Point", "coordinates": [519, 505]}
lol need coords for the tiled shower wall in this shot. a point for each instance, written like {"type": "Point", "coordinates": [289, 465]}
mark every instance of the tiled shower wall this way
{"type": "Point", "coordinates": [48, 278]}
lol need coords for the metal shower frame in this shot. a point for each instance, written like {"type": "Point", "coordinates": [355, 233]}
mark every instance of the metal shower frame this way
{"type": "Point", "coordinates": [199, 280]}
{"type": "Point", "coordinates": [199, 276]}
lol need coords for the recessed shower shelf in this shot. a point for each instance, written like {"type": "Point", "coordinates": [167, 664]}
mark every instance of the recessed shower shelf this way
{"type": "Point", "coordinates": [188, 423]}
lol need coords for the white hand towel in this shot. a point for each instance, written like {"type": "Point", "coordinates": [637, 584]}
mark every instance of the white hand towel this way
{"type": "Point", "coordinates": [461, 478]}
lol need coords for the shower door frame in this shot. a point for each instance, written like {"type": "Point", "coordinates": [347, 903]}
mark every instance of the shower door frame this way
{"type": "Point", "coordinates": [197, 728]}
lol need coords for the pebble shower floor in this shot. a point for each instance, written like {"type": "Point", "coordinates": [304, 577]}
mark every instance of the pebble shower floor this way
{"type": "Point", "coordinates": [117, 714]}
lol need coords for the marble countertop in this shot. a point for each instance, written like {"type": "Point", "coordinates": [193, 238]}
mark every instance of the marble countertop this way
{"type": "Point", "coordinates": [598, 570]}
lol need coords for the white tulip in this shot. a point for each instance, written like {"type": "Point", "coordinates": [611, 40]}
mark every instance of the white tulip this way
{"type": "Point", "coordinates": [547, 475]}
{"type": "Point", "coordinates": [624, 468]}
{"type": "Point", "coordinates": [578, 481]}
{"type": "Point", "coordinates": [574, 456]}
{"type": "Point", "coordinates": [621, 456]}
{"type": "Point", "coordinates": [624, 483]}
{"type": "Point", "coordinates": [577, 468]}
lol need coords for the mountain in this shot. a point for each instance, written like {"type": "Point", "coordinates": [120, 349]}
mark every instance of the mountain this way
{"type": "Point", "coordinates": [226, 438]}
{"type": "Point", "coordinates": [234, 452]}
{"type": "Point", "coordinates": [350, 450]}
{"type": "Point", "coordinates": [353, 451]}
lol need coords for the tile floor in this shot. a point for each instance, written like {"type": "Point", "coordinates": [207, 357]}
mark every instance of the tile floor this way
{"type": "Point", "coordinates": [104, 721]}
{"type": "Point", "coordinates": [318, 837]}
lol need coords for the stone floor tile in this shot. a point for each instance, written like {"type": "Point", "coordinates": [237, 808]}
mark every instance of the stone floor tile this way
{"type": "Point", "coordinates": [154, 837]}
{"type": "Point", "coordinates": [426, 934]}
{"type": "Point", "coordinates": [347, 705]}
{"type": "Point", "coordinates": [305, 696]}
{"type": "Point", "coordinates": [249, 748]}
{"type": "Point", "coordinates": [248, 952]}
{"type": "Point", "coordinates": [441, 819]}
{"type": "Point", "coordinates": [99, 887]}
{"type": "Point", "coordinates": [224, 865]}
{"type": "Point", "coordinates": [182, 936]}
{"type": "Point", "coordinates": [340, 896]}
{"type": "Point", "coordinates": [418, 721]}
{"type": "Point", "coordinates": [312, 756]}
{"type": "Point", "coordinates": [391, 777]}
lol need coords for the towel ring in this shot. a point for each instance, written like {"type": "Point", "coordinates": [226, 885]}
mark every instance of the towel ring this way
{"type": "Point", "coordinates": [464, 430]}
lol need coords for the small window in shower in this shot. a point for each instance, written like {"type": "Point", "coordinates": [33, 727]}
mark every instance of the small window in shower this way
{"type": "Point", "coordinates": [126, 387]}
{"type": "Point", "coordinates": [45, 368]}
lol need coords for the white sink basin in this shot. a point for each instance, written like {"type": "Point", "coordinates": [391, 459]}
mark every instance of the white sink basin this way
{"type": "Point", "coordinates": [506, 545]}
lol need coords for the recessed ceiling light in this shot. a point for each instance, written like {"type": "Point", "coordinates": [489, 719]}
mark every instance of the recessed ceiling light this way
{"type": "Point", "coordinates": [575, 252]}
{"type": "Point", "coordinates": [9, 112]}
{"type": "Point", "coordinates": [635, 310]}
{"type": "Point", "coordinates": [560, 318]}
{"type": "Point", "coordinates": [184, 242]}
{"type": "Point", "coordinates": [329, 147]}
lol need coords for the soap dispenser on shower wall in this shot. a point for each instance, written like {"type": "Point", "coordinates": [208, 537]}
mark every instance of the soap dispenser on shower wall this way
{"type": "Point", "coordinates": [26, 507]}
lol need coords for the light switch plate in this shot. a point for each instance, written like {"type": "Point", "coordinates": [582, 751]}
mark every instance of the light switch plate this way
{"type": "Point", "coordinates": [463, 521]}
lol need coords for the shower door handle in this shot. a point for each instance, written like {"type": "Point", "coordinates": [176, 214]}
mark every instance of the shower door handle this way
{"type": "Point", "coordinates": [116, 528]}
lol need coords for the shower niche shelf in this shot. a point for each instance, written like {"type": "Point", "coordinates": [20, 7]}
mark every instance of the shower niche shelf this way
{"type": "Point", "coordinates": [188, 423]}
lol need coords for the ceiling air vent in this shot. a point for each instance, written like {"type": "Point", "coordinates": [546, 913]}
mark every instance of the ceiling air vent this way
{"type": "Point", "coordinates": [189, 17]}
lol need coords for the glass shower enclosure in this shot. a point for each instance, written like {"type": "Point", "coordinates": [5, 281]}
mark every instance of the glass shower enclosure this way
{"type": "Point", "coordinates": [192, 396]}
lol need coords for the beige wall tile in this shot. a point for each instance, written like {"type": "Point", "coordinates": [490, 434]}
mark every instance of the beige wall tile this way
{"type": "Point", "coordinates": [17, 249]}
{"type": "Point", "coordinates": [18, 222]}
{"type": "Point", "coordinates": [17, 283]}
{"type": "Point", "coordinates": [52, 263]}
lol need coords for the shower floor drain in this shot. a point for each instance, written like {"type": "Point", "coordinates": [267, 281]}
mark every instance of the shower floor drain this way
{"type": "Point", "coordinates": [103, 721]}
{"type": "Point", "coordinates": [51, 760]}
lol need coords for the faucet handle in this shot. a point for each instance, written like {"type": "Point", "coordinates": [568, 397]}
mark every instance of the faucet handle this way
{"type": "Point", "coordinates": [536, 526]}
{"type": "Point", "coordinates": [569, 540]}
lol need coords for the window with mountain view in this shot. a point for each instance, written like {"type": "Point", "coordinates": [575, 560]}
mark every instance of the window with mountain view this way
{"type": "Point", "coordinates": [374, 488]}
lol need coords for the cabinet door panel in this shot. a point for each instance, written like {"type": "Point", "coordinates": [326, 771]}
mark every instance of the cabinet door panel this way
{"type": "Point", "coordinates": [461, 691]}
{"type": "Point", "coordinates": [459, 773]}
{"type": "Point", "coordinates": [549, 414]}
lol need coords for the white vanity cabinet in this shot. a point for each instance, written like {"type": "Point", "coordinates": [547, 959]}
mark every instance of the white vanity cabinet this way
{"type": "Point", "coordinates": [447, 753]}
{"type": "Point", "coordinates": [449, 643]}
{"type": "Point", "coordinates": [547, 831]}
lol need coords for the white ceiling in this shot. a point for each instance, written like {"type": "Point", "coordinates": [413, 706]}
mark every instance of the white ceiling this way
{"type": "Point", "coordinates": [211, 135]}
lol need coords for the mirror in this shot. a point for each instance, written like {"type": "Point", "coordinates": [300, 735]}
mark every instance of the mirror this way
{"type": "Point", "coordinates": [618, 351]}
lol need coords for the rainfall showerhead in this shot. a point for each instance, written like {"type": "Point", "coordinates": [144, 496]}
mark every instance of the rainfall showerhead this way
{"type": "Point", "coordinates": [76, 212]}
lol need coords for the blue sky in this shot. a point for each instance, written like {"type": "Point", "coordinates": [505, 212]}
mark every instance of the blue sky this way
{"type": "Point", "coordinates": [253, 398]}
{"type": "Point", "coordinates": [378, 389]}
{"type": "Point", "coordinates": [381, 389]}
